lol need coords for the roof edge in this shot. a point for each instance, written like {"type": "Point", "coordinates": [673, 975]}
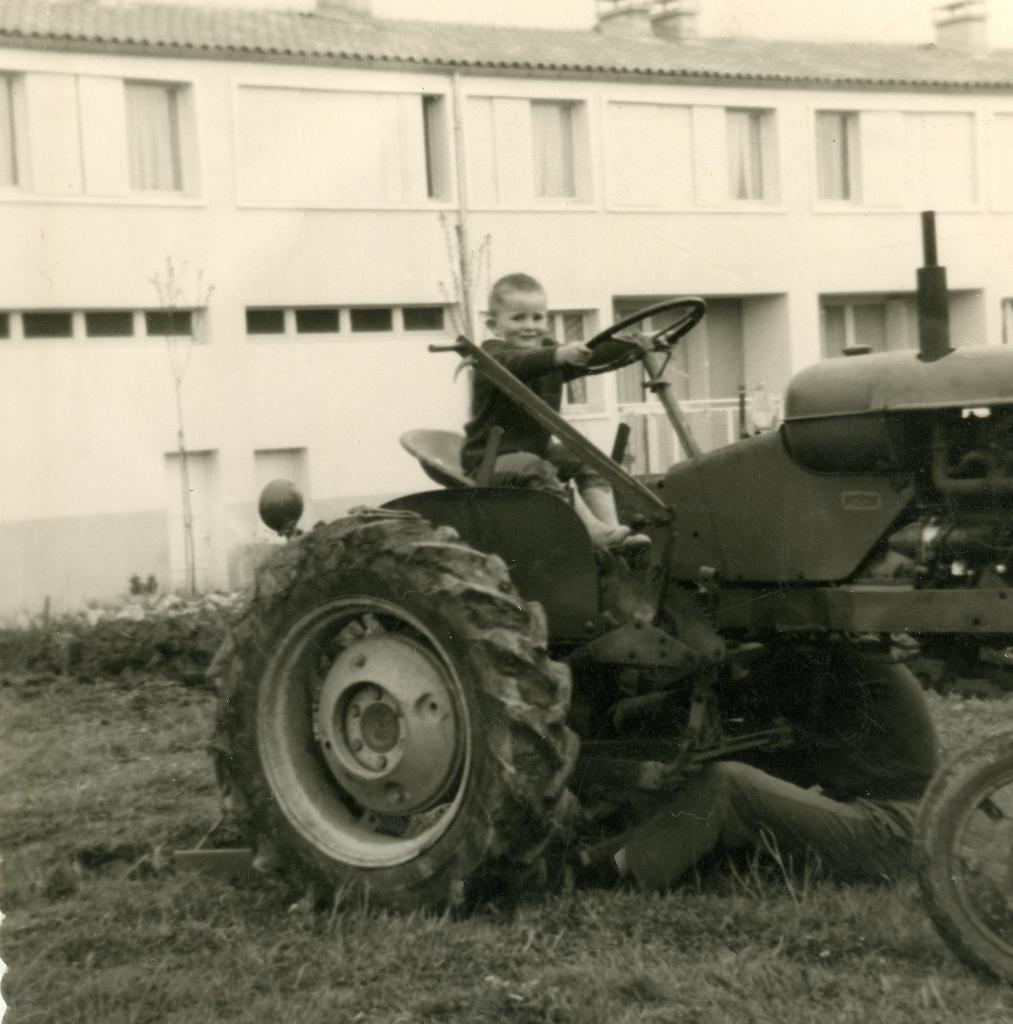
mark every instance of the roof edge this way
{"type": "Point", "coordinates": [71, 43]}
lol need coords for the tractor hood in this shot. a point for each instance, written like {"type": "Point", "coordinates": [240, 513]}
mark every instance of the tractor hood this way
{"type": "Point", "coordinates": [900, 381]}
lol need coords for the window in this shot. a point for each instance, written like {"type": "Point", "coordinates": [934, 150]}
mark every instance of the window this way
{"type": "Point", "coordinates": [849, 325]}
{"type": "Point", "coordinates": [99, 323]}
{"type": "Point", "coordinates": [109, 324]}
{"type": "Point", "coordinates": [657, 169]}
{"type": "Point", "coordinates": [278, 321]}
{"type": "Point", "coordinates": [837, 155]}
{"type": "Point", "coordinates": [168, 323]}
{"type": "Point", "coordinates": [522, 151]}
{"type": "Point", "coordinates": [552, 143]}
{"type": "Point", "coordinates": [265, 321]}
{"type": "Point", "coordinates": [582, 394]}
{"type": "Point", "coordinates": [565, 328]}
{"type": "Point", "coordinates": [423, 318]}
{"type": "Point", "coordinates": [380, 318]}
{"type": "Point", "coordinates": [339, 149]}
{"type": "Point", "coordinates": [941, 148]}
{"type": "Point", "coordinates": [47, 325]}
{"type": "Point", "coordinates": [749, 154]}
{"type": "Point", "coordinates": [153, 141]}
{"type": "Point", "coordinates": [316, 321]}
{"type": "Point", "coordinates": [8, 139]}
{"type": "Point", "coordinates": [630, 380]}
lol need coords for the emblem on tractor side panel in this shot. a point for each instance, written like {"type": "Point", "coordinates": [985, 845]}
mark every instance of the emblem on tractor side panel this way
{"type": "Point", "coordinates": [861, 501]}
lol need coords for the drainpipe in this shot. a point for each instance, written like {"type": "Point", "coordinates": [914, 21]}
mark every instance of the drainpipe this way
{"type": "Point", "coordinates": [461, 225]}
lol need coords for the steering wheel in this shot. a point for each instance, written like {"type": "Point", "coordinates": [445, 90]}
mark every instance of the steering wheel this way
{"type": "Point", "coordinates": [609, 352]}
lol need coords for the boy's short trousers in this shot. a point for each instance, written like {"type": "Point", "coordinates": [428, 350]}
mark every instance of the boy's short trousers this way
{"type": "Point", "coordinates": [529, 471]}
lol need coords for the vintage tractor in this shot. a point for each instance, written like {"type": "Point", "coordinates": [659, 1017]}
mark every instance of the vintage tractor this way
{"type": "Point", "coordinates": [424, 696]}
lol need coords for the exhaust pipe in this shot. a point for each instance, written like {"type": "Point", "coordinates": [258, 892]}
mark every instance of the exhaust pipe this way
{"type": "Point", "coordinates": [933, 298]}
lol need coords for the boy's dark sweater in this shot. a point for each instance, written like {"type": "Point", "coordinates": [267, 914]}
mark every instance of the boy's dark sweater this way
{"type": "Point", "coordinates": [490, 408]}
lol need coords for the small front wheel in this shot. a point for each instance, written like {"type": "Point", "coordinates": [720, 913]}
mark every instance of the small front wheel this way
{"type": "Point", "coordinates": [964, 855]}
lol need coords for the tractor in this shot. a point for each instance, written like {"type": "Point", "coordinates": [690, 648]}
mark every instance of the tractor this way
{"type": "Point", "coordinates": [421, 698]}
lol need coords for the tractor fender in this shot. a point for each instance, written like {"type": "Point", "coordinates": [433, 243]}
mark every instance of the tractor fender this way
{"type": "Point", "coordinates": [544, 544]}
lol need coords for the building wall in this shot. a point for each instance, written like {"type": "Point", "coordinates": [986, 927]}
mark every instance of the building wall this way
{"type": "Point", "coordinates": [90, 423]}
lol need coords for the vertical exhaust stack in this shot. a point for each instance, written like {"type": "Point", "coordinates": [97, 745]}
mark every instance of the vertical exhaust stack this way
{"type": "Point", "coordinates": [933, 298]}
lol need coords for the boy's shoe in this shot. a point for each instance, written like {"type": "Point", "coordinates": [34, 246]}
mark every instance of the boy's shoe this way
{"type": "Point", "coordinates": [621, 538]}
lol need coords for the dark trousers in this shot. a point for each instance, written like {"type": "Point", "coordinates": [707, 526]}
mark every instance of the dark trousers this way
{"type": "Point", "coordinates": [527, 470]}
{"type": "Point", "coordinates": [731, 805]}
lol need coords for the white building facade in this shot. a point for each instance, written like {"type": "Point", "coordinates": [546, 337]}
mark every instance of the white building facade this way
{"type": "Point", "coordinates": [266, 206]}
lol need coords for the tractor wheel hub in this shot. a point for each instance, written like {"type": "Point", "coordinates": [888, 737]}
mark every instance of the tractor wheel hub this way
{"type": "Point", "coordinates": [387, 725]}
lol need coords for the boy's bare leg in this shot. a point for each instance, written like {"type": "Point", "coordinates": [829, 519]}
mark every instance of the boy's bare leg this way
{"type": "Point", "coordinates": [603, 534]}
{"type": "Point", "coordinates": [600, 501]}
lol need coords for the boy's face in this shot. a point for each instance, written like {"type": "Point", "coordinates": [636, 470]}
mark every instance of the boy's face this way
{"type": "Point", "coordinates": [520, 318]}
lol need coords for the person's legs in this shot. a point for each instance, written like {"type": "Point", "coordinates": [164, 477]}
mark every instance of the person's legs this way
{"type": "Point", "coordinates": [594, 499]}
{"type": "Point", "coordinates": [525, 470]}
{"type": "Point", "coordinates": [730, 805]}
{"type": "Point", "coordinates": [599, 498]}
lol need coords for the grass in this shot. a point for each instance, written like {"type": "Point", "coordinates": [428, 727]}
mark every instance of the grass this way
{"type": "Point", "coordinates": [110, 777]}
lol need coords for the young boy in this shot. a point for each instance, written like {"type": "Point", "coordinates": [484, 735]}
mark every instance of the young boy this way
{"type": "Point", "coordinates": [528, 456]}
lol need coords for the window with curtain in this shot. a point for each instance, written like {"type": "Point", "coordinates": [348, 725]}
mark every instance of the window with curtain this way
{"type": "Point", "coordinates": [153, 137]}
{"type": "Point", "coordinates": [8, 152]}
{"type": "Point", "coordinates": [745, 153]}
{"type": "Point", "coordinates": [837, 155]}
{"type": "Point", "coordinates": [552, 142]}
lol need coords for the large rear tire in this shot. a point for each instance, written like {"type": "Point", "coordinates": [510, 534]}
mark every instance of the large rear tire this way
{"type": "Point", "coordinates": [389, 715]}
{"type": "Point", "coordinates": [964, 855]}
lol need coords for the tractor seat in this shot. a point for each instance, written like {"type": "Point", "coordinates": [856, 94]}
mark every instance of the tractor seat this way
{"type": "Point", "coordinates": [439, 454]}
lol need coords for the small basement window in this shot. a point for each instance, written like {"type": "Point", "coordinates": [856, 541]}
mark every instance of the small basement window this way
{"type": "Point", "coordinates": [379, 318]}
{"type": "Point", "coordinates": [423, 318]}
{"type": "Point", "coordinates": [5, 325]}
{"type": "Point", "coordinates": [47, 325]}
{"type": "Point", "coordinates": [109, 324]}
{"type": "Point", "coordinates": [265, 321]}
{"type": "Point", "coordinates": [168, 323]}
{"type": "Point", "coordinates": [316, 321]}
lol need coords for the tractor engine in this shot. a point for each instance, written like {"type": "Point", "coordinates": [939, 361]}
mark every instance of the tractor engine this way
{"type": "Point", "coordinates": [964, 534]}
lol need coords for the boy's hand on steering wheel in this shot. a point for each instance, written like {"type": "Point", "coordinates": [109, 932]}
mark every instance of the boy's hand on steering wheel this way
{"type": "Point", "coordinates": [576, 353]}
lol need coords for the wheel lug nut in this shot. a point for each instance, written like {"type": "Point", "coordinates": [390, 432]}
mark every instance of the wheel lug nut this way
{"type": "Point", "coordinates": [354, 711]}
{"type": "Point", "coordinates": [356, 745]}
{"type": "Point", "coordinates": [359, 661]}
{"type": "Point", "coordinates": [377, 693]}
{"type": "Point", "coordinates": [395, 794]}
{"type": "Point", "coordinates": [381, 761]}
